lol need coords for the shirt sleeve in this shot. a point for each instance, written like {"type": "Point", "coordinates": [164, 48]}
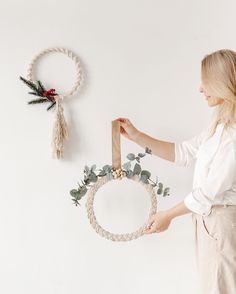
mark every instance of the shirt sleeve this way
{"type": "Point", "coordinates": [185, 151]}
{"type": "Point", "coordinates": [220, 178]}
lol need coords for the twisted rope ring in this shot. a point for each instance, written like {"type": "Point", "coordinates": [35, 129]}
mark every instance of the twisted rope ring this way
{"type": "Point", "coordinates": [70, 54]}
{"type": "Point", "coordinates": [106, 234]}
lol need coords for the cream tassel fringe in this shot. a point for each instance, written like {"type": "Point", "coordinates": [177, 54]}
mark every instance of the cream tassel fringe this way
{"type": "Point", "coordinates": [60, 130]}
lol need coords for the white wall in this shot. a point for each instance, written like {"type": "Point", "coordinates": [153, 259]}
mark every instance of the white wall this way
{"type": "Point", "coordinates": [142, 61]}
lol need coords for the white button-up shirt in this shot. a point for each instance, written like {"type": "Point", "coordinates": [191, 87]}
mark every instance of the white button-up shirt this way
{"type": "Point", "coordinates": [214, 180]}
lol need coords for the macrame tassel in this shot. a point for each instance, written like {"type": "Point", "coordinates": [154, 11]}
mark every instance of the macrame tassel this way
{"type": "Point", "coordinates": [60, 130]}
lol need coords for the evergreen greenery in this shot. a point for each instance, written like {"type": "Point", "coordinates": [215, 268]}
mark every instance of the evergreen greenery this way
{"type": "Point", "coordinates": [40, 91]}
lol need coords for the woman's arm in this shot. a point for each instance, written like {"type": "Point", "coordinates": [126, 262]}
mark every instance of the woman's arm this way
{"type": "Point", "coordinates": [160, 221]}
{"type": "Point", "coordinates": [181, 154]}
{"type": "Point", "coordinates": [179, 209]}
{"type": "Point", "coordinates": [163, 149]}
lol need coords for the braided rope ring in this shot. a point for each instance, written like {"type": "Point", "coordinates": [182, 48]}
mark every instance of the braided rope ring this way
{"type": "Point", "coordinates": [70, 54]}
{"type": "Point", "coordinates": [108, 235]}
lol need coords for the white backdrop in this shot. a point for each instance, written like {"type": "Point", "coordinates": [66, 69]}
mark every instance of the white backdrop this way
{"type": "Point", "coordinates": [142, 61]}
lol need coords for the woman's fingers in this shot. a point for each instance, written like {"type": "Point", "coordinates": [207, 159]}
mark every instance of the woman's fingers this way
{"type": "Point", "coordinates": [153, 229]}
{"type": "Point", "coordinates": [123, 120]}
{"type": "Point", "coordinates": [153, 225]}
{"type": "Point", "coordinates": [159, 222]}
{"type": "Point", "coordinates": [122, 130]}
{"type": "Point", "coordinates": [123, 126]}
{"type": "Point", "coordinates": [127, 128]}
{"type": "Point", "coordinates": [150, 224]}
{"type": "Point", "coordinates": [150, 229]}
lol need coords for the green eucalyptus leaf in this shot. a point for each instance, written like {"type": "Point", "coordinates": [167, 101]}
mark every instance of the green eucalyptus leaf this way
{"type": "Point", "coordinates": [129, 174]}
{"type": "Point", "coordinates": [86, 170]}
{"type": "Point", "coordinates": [79, 197]}
{"type": "Point", "coordinates": [82, 191]}
{"type": "Point", "coordinates": [131, 156]}
{"type": "Point", "coordinates": [160, 188]}
{"type": "Point", "coordinates": [148, 150]}
{"type": "Point", "coordinates": [166, 192]}
{"type": "Point", "coordinates": [107, 168]}
{"type": "Point", "coordinates": [102, 173]}
{"type": "Point", "coordinates": [127, 165]}
{"type": "Point", "coordinates": [159, 191]}
{"type": "Point", "coordinates": [137, 158]}
{"type": "Point", "coordinates": [109, 176]}
{"type": "Point", "coordinates": [141, 155]}
{"type": "Point", "coordinates": [93, 168]}
{"type": "Point", "coordinates": [137, 169]}
{"type": "Point", "coordinates": [74, 192]}
{"type": "Point", "coordinates": [87, 180]}
{"type": "Point", "coordinates": [160, 185]}
{"type": "Point", "coordinates": [144, 179]}
{"type": "Point", "coordinates": [93, 177]}
{"type": "Point", "coordinates": [146, 172]}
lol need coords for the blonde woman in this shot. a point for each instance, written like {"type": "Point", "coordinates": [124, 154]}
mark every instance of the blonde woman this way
{"type": "Point", "coordinates": [212, 200]}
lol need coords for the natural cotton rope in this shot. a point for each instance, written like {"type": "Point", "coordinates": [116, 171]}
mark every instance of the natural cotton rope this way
{"type": "Point", "coordinates": [70, 54]}
{"type": "Point", "coordinates": [60, 129]}
{"type": "Point", "coordinates": [106, 234]}
{"type": "Point", "coordinates": [116, 164]}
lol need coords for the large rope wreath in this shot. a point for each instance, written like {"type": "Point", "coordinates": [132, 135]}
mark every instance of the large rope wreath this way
{"type": "Point", "coordinates": [108, 235]}
{"type": "Point", "coordinates": [60, 129]}
{"type": "Point", "coordinates": [116, 172]}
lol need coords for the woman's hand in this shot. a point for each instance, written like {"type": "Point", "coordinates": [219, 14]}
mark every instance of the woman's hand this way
{"type": "Point", "coordinates": [158, 222]}
{"type": "Point", "coordinates": [127, 129]}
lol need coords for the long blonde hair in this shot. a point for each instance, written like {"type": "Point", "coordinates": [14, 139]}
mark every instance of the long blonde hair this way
{"type": "Point", "coordinates": [218, 74]}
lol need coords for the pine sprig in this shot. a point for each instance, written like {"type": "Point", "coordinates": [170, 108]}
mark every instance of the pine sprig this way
{"type": "Point", "coordinates": [51, 106]}
{"type": "Point", "coordinates": [31, 85]}
{"type": "Point", "coordinates": [33, 93]}
{"type": "Point", "coordinates": [40, 100]}
{"type": "Point", "coordinates": [41, 87]}
{"type": "Point", "coordinates": [40, 91]}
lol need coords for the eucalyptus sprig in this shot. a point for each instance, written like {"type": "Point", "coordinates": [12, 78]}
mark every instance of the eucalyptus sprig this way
{"type": "Point", "coordinates": [91, 176]}
{"type": "Point", "coordinates": [144, 175]}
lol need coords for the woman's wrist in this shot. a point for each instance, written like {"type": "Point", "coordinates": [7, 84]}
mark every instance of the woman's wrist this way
{"type": "Point", "coordinates": [171, 213]}
{"type": "Point", "coordinates": [178, 210]}
{"type": "Point", "coordinates": [137, 137]}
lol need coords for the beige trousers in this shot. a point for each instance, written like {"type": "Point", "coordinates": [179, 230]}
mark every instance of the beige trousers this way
{"type": "Point", "coordinates": [215, 248]}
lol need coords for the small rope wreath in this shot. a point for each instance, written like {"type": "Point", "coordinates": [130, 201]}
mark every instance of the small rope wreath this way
{"type": "Point", "coordinates": [70, 54]}
{"type": "Point", "coordinates": [106, 234]}
{"type": "Point", "coordinates": [60, 129]}
{"type": "Point", "coordinates": [92, 182]}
